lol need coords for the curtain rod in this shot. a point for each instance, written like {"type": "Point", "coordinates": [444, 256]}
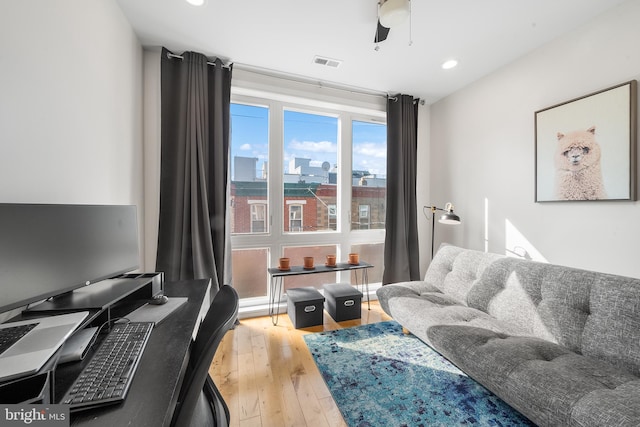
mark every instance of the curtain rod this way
{"type": "Point", "coordinates": [416, 100]}
{"type": "Point", "coordinates": [359, 91]}
{"type": "Point", "coordinates": [180, 57]}
{"type": "Point", "coordinates": [307, 81]}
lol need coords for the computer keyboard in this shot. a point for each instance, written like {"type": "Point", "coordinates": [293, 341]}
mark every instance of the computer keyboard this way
{"type": "Point", "coordinates": [107, 377]}
{"type": "Point", "coordinates": [11, 335]}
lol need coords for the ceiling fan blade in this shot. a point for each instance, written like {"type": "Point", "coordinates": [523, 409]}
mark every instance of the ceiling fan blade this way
{"type": "Point", "coordinates": [381, 33]}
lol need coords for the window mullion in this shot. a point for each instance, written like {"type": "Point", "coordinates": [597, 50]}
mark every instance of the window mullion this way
{"type": "Point", "coordinates": [344, 206]}
{"type": "Point", "coordinates": [275, 183]}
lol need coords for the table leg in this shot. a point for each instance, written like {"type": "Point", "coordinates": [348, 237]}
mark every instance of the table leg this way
{"type": "Point", "coordinates": [365, 283]}
{"type": "Point", "coordinates": [365, 280]}
{"type": "Point", "coordinates": [274, 299]}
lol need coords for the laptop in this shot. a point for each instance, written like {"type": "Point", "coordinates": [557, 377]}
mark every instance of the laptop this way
{"type": "Point", "coordinates": [25, 346]}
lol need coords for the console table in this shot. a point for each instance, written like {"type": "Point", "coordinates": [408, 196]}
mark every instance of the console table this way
{"type": "Point", "coordinates": [277, 281]}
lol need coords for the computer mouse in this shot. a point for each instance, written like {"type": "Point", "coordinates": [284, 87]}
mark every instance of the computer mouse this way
{"type": "Point", "coordinates": [159, 300]}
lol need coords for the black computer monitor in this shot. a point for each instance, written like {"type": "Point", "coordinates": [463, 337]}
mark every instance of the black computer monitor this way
{"type": "Point", "coordinates": [48, 250]}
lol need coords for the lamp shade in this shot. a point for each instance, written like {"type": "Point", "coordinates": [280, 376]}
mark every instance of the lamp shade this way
{"type": "Point", "coordinates": [394, 12]}
{"type": "Point", "coordinates": [449, 218]}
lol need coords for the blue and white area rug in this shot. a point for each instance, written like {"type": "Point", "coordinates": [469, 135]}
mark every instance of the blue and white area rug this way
{"type": "Point", "coordinates": [379, 376]}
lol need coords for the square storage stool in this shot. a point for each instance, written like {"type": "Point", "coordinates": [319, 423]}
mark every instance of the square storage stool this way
{"type": "Point", "coordinates": [304, 306]}
{"type": "Point", "coordinates": [342, 301]}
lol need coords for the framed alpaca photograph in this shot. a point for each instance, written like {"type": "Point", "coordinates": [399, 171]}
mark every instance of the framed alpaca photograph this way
{"type": "Point", "coordinates": [585, 148]}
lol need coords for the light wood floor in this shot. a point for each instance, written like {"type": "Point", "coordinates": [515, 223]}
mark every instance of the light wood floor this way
{"type": "Point", "coordinates": [268, 377]}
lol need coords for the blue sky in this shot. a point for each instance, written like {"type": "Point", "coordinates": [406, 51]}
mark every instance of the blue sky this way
{"type": "Point", "coordinates": [308, 136]}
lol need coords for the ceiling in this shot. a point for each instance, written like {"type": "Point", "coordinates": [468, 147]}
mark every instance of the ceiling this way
{"type": "Point", "coordinates": [283, 36]}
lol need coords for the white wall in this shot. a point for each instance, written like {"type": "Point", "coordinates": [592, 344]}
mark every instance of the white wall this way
{"type": "Point", "coordinates": [70, 104]}
{"type": "Point", "coordinates": [152, 143]}
{"type": "Point", "coordinates": [423, 192]}
{"type": "Point", "coordinates": [482, 153]}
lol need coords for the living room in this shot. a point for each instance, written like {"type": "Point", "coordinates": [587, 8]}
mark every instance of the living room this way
{"type": "Point", "coordinates": [75, 109]}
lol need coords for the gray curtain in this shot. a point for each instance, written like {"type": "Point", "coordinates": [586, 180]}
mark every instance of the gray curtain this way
{"type": "Point", "coordinates": [193, 234]}
{"type": "Point", "coordinates": [401, 257]}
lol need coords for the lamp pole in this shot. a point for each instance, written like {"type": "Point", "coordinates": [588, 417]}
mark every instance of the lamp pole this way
{"type": "Point", "coordinates": [433, 227]}
{"type": "Point", "coordinates": [448, 217]}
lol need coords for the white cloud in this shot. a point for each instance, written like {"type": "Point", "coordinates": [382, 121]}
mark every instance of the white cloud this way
{"type": "Point", "coordinates": [314, 146]}
{"type": "Point", "coordinates": [374, 166]}
{"type": "Point", "coordinates": [371, 149]}
{"type": "Point", "coordinates": [245, 147]}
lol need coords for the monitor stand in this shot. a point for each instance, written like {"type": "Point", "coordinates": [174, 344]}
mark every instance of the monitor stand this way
{"type": "Point", "coordinates": [99, 295]}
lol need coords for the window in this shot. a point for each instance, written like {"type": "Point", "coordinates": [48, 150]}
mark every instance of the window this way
{"type": "Point", "coordinates": [258, 217]}
{"type": "Point", "coordinates": [249, 282]}
{"type": "Point", "coordinates": [296, 255]}
{"type": "Point", "coordinates": [310, 147]}
{"type": "Point", "coordinates": [249, 162]}
{"type": "Point", "coordinates": [369, 174]}
{"type": "Point", "coordinates": [332, 217]}
{"type": "Point", "coordinates": [307, 179]}
{"type": "Point", "coordinates": [295, 217]}
{"type": "Point", "coordinates": [363, 217]}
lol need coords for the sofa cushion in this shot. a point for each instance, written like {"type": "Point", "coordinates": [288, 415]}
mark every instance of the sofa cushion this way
{"type": "Point", "coordinates": [418, 312]}
{"type": "Point", "coordinates": [612, 330]}
{"type": "Point", "coordinates": [543, 380]}
{"type": "Point", "coordinates": [595, 314]}
{"type": "Point", "coordinates": [618, 406]}
{"type": "Point", "coordinates": [454, 270]}
{"type": "Point", "coordinates": [547, 301]}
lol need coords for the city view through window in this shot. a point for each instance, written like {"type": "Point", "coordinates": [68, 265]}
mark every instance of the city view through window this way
{"type": "Point", "coordinates": [289, 183]}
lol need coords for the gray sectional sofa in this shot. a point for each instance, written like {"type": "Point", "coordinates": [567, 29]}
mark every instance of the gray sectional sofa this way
{"type": "Point", "coordinates": [560, 345]}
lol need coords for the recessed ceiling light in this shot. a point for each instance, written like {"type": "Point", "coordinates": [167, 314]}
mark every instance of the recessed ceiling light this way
{"type": "Point", "coordinates": [196, 2]}
{"type": "Point", "coordinates": [447, 65]}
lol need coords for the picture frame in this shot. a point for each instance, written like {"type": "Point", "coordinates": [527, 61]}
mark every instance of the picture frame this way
{"type": "Point", "coordinates": [585, 148]}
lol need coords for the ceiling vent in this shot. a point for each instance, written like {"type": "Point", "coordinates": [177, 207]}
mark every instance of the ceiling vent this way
{"type": "Point", "coordinates": [328, 62]}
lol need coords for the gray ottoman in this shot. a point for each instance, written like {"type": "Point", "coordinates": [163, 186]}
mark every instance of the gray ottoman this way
{"type": "Point", "coordinates": [304, 306]}
{"type": "Point", "coordinates": [342, 301]}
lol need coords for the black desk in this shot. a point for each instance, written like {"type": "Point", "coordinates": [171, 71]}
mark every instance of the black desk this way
{"type": "Point", "coordinates": [277, 278]}
{"type": "Point", "coordinates": [153, 394]}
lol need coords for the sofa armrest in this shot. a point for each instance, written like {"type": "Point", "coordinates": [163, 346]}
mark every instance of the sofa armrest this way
{"type": "Point", "coordinates": [402, 289]}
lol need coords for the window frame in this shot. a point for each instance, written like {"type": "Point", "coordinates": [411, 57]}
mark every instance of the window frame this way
{"type": "Point", "coordinates": [276, 239]}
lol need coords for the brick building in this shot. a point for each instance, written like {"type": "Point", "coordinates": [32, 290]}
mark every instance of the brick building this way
{"type": "Point", "coordinates": [307, 207]}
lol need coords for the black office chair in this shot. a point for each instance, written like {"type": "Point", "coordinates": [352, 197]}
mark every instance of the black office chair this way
{"type": "Point", "coordinates": [200, 403]}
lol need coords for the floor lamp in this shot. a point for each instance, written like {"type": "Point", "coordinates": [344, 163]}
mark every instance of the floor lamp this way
{"type": "Point", "coordinates": [448, 217]}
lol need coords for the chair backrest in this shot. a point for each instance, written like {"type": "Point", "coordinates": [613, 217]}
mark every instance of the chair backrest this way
{"type": "Point", "coordinates": [220, 317]}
